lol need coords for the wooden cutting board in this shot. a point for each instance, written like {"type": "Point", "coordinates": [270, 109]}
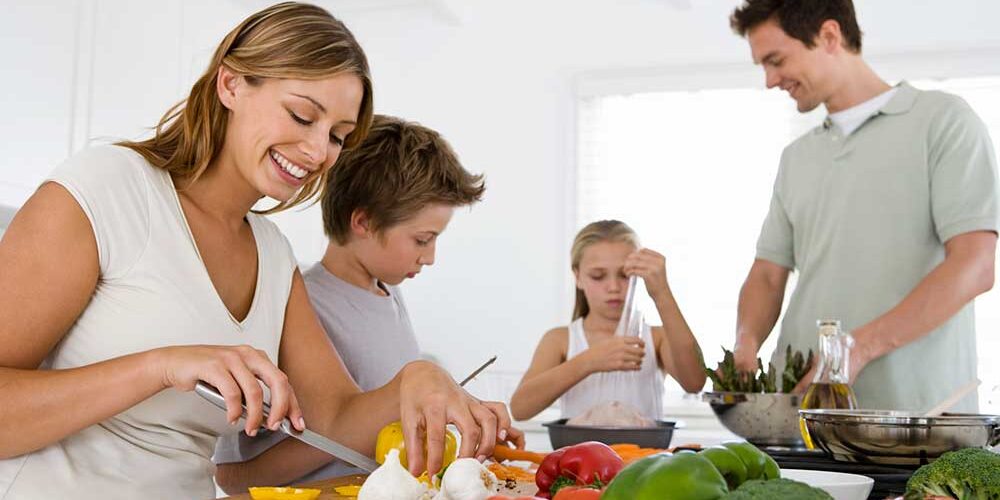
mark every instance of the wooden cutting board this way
{"type": "Point", "coordinates": [327, 485]}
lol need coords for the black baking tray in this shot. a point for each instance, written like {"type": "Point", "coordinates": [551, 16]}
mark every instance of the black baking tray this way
{"type": "Point", "coordinates": [561, 434]}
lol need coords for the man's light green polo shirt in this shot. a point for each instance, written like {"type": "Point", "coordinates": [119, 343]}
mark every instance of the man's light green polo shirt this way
{"type": "Point", "coordinates": [864, 218]}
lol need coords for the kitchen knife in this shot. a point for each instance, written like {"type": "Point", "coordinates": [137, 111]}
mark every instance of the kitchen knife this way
{"type": "Point", "coordinates": [211, 394]}
{"type": "Point", "coordinates": [478, 371]}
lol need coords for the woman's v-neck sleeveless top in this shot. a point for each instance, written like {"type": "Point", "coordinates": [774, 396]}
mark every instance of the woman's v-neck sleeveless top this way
{"type": "Point", "coordinates": [153, 291]}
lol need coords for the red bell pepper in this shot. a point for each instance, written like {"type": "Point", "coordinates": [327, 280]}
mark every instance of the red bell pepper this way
{"type": "Point", "coordinates": [590, 464]}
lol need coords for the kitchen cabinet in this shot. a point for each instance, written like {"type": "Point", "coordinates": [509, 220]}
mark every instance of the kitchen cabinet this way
{"type": "Point", "coordinates": [38, 42]}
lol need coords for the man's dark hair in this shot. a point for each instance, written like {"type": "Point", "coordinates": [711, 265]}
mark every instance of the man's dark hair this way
{"type": "Point", "coordinates": [800, 19]}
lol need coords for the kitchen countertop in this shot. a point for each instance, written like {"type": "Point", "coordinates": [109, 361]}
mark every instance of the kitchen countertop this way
{"type": "Point", "coordinates": [697, 425]}
{"type": "Point", "coordinates": [326, 485]}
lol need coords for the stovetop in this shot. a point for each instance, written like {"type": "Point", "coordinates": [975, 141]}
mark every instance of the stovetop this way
{"type": "Point", "coordinates": [890, 480]}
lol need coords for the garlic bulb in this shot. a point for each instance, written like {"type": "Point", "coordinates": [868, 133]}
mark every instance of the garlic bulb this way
{"type": "Point", "coordinates": [467, 479]}
{"type": "Point", "coordinates": [392, 482]}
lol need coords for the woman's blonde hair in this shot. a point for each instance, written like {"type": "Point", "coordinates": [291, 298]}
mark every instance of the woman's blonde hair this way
{"type": "Point", "coordinates": [601, 231]}
{"type": "Point", "coordinates": [286, 40]}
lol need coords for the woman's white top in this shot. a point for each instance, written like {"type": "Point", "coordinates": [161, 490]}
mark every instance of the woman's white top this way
{"type": "Point", "coordinates": [642, 389]}
{"type": "Point", "coordinates": [153, 291]}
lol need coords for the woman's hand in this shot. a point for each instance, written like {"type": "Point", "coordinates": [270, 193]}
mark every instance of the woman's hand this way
{"type": "Point", "coordinates": [615, 353]}
{"type": "Point", "coordinates": [236, 371]}
{"type": "Point", "coordinates": [652, 268]}
{"type": "Point", "coordinates": [429, 400]}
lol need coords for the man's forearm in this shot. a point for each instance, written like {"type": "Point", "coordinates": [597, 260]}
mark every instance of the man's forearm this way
{"type": "Point", "coordinates": [964, 274]}
{"type": "Point", "coordinates": [759, 305]}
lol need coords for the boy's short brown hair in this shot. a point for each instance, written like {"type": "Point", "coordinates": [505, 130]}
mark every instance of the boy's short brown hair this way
{"type": "Point", "coordinates": [800, 19]}
{"type": "Point", "coordinates": [398, 169]}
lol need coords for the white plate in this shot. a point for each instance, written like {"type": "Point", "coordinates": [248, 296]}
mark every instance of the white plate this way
{"type": "Point", "coordinates": [839, 485]}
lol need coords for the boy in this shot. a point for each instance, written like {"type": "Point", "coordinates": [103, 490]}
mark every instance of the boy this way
{"type": "Point", "coordinates": [384, 206]}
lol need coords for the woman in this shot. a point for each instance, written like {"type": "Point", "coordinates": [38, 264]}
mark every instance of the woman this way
{"type": "Point", "coordinates": [139, 269]}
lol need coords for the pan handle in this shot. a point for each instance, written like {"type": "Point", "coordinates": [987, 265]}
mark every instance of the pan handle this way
{"type": "Point", "coordinates": [995, 438]}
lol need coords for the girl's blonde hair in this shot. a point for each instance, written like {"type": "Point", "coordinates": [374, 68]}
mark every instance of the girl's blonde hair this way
{"type": "Point", "coordinates": [596, 232]}
{"type": "Point", "coordinates": [286, 40]}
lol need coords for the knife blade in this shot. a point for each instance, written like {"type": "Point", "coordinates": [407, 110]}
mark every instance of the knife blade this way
{"type": "Point", "coordinates": [318, 441]}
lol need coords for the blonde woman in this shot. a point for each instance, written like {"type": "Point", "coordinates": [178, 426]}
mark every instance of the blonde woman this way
{"type": "Point", "coordinates": [604, 255]}
{"type": "Point", "coordinates": [138, 269]}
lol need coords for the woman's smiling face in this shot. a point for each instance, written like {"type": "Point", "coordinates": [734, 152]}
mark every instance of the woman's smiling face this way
{"type": "Point", "coordinates": [283, 133]}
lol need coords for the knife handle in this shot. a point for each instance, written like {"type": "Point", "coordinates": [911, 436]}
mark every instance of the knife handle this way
{"type": "Point", "coordinates": [212, 395]}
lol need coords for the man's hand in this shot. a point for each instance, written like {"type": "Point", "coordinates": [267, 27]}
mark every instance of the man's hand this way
{"type": "Point", "coordinates": [745, 355]}
{"type": "Point", "coordinates": [858, 360]}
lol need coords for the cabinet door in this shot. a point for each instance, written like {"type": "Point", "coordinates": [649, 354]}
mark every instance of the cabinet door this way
{"type": "Point", "coordinates": [38, 43]}
{"type": "Point", "coordinates": [136, 62]}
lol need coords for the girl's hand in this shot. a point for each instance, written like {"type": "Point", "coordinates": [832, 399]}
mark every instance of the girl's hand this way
{"type": "Point", "coordinates": [236, 371]}
{"type": "Point", "coordinates": [652, 268]}
{"type": "Point", "coordinates": [429, 400]}
{"type": "Point", "coordinates": [615, 353]}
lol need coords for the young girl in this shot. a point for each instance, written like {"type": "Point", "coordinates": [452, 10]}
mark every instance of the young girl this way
{"type": "Point", "coordinates": [604, 255]}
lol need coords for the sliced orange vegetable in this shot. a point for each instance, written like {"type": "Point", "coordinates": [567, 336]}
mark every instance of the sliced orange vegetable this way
{"type": "Point", "coordinates": [631, 452]}
{"type": "Point", "coordinates": [503, 452]}
{"type": "Point", "coordinates": [348, 491]}
{"type": "Point", "coordinates": [282, 493]}
{"type": "Point", "coordinates": [505, 472]}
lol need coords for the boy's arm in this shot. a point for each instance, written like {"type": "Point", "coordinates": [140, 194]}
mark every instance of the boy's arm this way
{"type": "Point", "coordinates": [285, 462]}
{"type": "Point", "coordinates": [549, 375]}
{"type": "Point", "coordinates": [422, 395]}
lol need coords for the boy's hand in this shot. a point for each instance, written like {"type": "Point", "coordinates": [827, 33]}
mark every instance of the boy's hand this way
{"type": "Point", "coordinates": [652, 268]}
{"type": "Point", "coordinates": [616, 353]}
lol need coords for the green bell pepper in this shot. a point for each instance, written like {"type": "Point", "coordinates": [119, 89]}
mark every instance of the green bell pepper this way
{"type": "Point", "coordinates": [728, 463]}
{"type": "Point", "coordinates": [687, 476]}
{"type": "Point", "coordinates": [759, 465]}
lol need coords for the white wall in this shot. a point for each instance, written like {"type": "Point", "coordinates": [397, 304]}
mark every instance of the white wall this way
{"type": "Point", "coordinates": [497, 78]}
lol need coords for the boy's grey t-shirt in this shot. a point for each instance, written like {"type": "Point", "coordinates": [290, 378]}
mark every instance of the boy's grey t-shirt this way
{"type": "Point", "coordinates": [374, 338]}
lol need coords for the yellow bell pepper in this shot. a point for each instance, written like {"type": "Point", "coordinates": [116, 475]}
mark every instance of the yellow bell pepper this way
{"type": "Point", "coordinates": [350, 490]}
{"type": "Point", "coordinates": [283, 493]}
{"type": "Point", "coordinates": [391, 437]}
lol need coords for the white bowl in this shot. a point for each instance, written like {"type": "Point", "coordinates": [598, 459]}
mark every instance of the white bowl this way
{"type": "Point", "coordinates": [840, 485]}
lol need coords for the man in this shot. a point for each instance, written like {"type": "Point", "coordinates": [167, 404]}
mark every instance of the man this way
{"type": "Point", "coordinates": [888, 211]}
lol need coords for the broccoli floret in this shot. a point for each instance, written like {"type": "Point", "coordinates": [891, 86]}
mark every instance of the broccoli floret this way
{"type": "Point", "coordinates": [967, 474]}
{"type": "Point", "coordinates": [759, 489]}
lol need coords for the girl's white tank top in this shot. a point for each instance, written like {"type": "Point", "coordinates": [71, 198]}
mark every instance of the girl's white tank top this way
{"type": "Point", "coordinates": [597, 388]}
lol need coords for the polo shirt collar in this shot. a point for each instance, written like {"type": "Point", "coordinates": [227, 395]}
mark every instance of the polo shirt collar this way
{"type": "Point", "coordinates": [902, 101]}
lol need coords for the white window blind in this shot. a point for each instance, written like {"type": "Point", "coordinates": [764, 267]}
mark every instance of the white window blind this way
{"type": "Point", "coordinates": [692, 172]}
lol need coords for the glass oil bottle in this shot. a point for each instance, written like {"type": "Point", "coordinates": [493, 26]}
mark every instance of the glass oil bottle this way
{"type": "Point", "coordinates": [829, 388]}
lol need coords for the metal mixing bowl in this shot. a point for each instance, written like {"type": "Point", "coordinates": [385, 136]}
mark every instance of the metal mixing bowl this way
{"type": "Point", "coordinates": [762, 419]}
{"type": "Point", "coordinates": [893, 437]}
